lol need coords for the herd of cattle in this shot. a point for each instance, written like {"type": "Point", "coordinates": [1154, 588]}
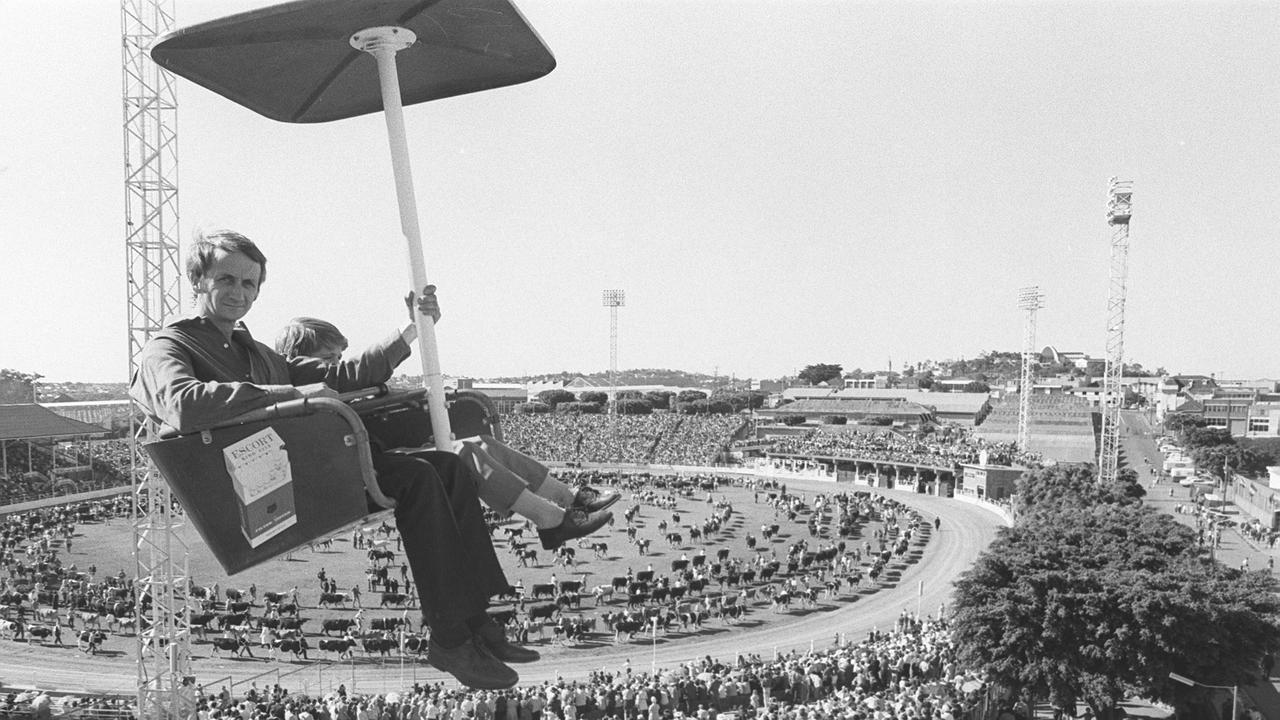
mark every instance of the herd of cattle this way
{"type": "Point", "coordinates": [696, 590]}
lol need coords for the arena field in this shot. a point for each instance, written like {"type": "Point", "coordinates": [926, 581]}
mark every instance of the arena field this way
{"type": "Point", "coordinates": [924, 583]}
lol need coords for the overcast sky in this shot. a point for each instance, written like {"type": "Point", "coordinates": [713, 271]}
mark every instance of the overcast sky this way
{"type": "Point", "coordinates": [773, 184]}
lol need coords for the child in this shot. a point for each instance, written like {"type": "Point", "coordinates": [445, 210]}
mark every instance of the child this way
{"type": "Point", "coordinates": [506, 480]}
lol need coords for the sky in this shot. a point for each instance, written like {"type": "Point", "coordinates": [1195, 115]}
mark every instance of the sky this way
{"type": "Point", "coordinates": [773, 183]}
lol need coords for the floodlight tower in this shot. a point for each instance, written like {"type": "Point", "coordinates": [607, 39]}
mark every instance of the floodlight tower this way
{"type": "Point", "coordinates": [613, 299]}
{"type": "Point", "coordinates": [1119, 208]}
{"type": "Point", "coordinates": [153, 286]}
{"type": "Point", "coordinates": [1031, 300]}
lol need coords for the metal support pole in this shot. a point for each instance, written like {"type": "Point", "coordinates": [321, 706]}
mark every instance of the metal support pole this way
{"type": "Point", "coordinates": [383, 43]}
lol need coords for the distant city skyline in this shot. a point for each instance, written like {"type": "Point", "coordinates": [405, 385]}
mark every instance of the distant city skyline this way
{"type": "Point", "coordinates": [771, 183]}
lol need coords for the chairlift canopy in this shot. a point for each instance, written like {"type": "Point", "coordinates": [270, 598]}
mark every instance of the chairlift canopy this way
{"type": "Point", "coordinates": [293, 62]}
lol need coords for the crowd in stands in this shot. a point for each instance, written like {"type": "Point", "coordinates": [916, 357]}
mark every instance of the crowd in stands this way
{"type": "Point", "coordinates": [908, 672]}
{"type": "Point", "coordinates": [31, 472]}
{"type": "Point", "coordinates": [941, 450]}
{"type": "Point", "coordinates": [661, 438]}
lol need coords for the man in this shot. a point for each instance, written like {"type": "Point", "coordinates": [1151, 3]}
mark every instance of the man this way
{"type": "Point", "coordinates": [205, 370]}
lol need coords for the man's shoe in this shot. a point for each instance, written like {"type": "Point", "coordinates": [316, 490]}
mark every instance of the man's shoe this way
{"type": "Point", "coordinates": [592, 500]}
{"type": "Point", "coordinates": [577, 523]}
{"type": "Point", "coordinates": [472, 665]}
{"type": "Point", "coordinates": [494, 639]}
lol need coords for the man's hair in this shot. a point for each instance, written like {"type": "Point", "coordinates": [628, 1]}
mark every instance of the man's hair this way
{"type": "Point", "coordinates": [207, 242]}
{"type": "Point", "coordinates": [306, 336]}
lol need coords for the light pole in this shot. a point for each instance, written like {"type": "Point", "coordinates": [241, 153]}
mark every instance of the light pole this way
{"type": "Point", "coordinates": [613, 299]}
{"type": "Point", "coordinates": [1235, 689]}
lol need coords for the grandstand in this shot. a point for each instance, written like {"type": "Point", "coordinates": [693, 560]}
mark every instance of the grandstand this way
{"type": "Point", "coordinates": [1062, 427]}
{"type": "Point", "coordinates": [901, 411]}
{"type": "Point", "coordinates": [43, 454]}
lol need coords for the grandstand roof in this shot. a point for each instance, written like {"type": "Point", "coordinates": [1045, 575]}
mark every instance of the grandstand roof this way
{"type": "Point", "coordinates": [942, 402]}
{"type": "Point", "coordinates": [893, 407]}
{"type": "Point", "coordinates": [31, 422]}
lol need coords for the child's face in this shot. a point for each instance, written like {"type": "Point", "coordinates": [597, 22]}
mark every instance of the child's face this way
{"type": "Point", "coordinates": [329, 353]}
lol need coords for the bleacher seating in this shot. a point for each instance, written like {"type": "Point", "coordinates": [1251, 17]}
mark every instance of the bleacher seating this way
{"type": "Point", "coordinates": [1061, 427]}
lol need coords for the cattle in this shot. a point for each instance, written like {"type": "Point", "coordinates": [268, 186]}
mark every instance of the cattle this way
{"type": "Point", "coordinates": [416, 643]}
{"type": "Point", "coordinates": [380, 645]}
{"type": "Point", "coordinates": [674, 539]}
{"type": "Point", "coordinates": [89, 619]}
{"type": "Point", "coordinates": [376, 555]}
{"type": "Point", "coordinates": [722, 554]}
{"type": "Point", "coordinates": [396, 599]}
{"type": "Point", "coordinates": [525, 557]}
{"type": "Point", "coordinates": [510, 593]}
{"type": "Point", "coordinates": [602, 593]}
{"type": "Point", "coordinates": [233, 594]}
{"type": "Point", "coordinates": [341, 625]}
{"type": "Point", "coordinates": [678, 566]}
{"type": "Point", "coordinates": [342, 647]}
{"type": "Point", "coordinates": [238, 607]}
{"type": "Point", "coordinates": [565, 600]}
{"type": "Point", "coordinates": [287, 609]}
{"type": "Point", "coordinates": [327, 599]}
{"type": "Point", "coordinates": [642, 546]}
{"type": "Point", "coordinates": [637, 599]}
{"type": "Point", "coordinates": [600, 549]}
{"type": "Point", "coordinates": [697, 585]}
{"type": "Point", "coordinates": [542, 590]}
{"type": "Point", "coordinates": [570, 586]}
{"type": "Point", "coordinates": [660, 594]}
{"type": "Point", "coordinates": [387, 623]}
{"type": "Point", "coordinates": [39, 632]}
{"type": "Point", "coordinates": [733, 612]}
{"type": "Point", "coordinates": [644, 576]}
{"type": "Point", "coordinates": [513, 533]}
{"type": "Point", "coordinates": [273, 597]}
{"type": "Point", "coordinates": [239, 646]}
{"type": "Point", "coordinates": [619, 582]}
{"type": "Point", "coordinates": [566, 555]}
{"type": "Point", "coordinates": [543, 610]}
{"type": "Point", "coordinates": [90, 640]}
{"type": "Point", "coordinates": [297, 646]}
{"type": "Point", "coordinates": [291, 623]}
{"type": "Point", "coordinates": [230, 620]}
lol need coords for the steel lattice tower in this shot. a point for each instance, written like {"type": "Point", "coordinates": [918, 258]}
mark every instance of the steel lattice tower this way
{"type": "Point", "coordinates": [1031, 300]}
{"type": "Point", "coordinates": [613, 299]}
{"type": "Point", "coordinates": [154, 282]}
{"type": "Point", "coordinates": [1119, 202]}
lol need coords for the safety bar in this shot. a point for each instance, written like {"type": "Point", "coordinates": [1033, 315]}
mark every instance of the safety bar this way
{"type": "Point", "coordinates": [359, 436]}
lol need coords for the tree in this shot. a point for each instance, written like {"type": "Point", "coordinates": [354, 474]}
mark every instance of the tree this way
{"type": "Point", "coordinates": [792, 420]}
{"type": "Point", "coordinates": [820, 373]}
{"type": "Point", "coordinates": [555, 396]}
{"type": "Point", "coordinates": [977, 386]}
{"type": "Point", "coordinates": [879, 420]}
{"type": "Point", "coordinates": [594, 396]}
{"type": "Point", "coordinates": [835, 419]}
{"type": "Point", "coordinates": [1096, 601]}
{"type": "Point", "coordinates": [1235, 459]}
{"type": "Point", "coordinates": [17, 387]}
{"type": "Point", "coordinates": [1177, 424]}
{"type": "Point", "coordinates": [1206, 437]}
{"type": "Point", "coordinates": [659, 399]}
{"type": "Point", "coordinates": [924, 383]}
{"type": "Point", "coordinates": [690, 395]}
{"type": "Point", "coordinates": [586, 408]}
{"type": "Point", "coordinates": [634, 406]}
{"type": "Point", "coordinates": [533, 408]}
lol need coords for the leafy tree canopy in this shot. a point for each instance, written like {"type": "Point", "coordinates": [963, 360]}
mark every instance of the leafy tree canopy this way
{"type": "Point", "coordinates": [820, 373]}
{"type": "Point", "coordinates": [555, 396]}
{"type": "Point", "coordinates": [1095, 600]}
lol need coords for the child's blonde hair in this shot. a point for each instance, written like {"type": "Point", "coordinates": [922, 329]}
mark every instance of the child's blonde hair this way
{"type": "Point", "coordinates": [306, 336]}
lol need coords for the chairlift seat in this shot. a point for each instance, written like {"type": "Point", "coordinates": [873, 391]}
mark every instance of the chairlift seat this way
{"type": "Point", "coordinates": [328, 483]}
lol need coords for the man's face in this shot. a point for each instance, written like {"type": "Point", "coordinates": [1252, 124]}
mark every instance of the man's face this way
{"type": "Point", "coordinates": [228, 288]}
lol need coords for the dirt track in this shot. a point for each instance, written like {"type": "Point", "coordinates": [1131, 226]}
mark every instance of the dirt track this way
{"type": "Point", "coordinates": [965, 531]}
